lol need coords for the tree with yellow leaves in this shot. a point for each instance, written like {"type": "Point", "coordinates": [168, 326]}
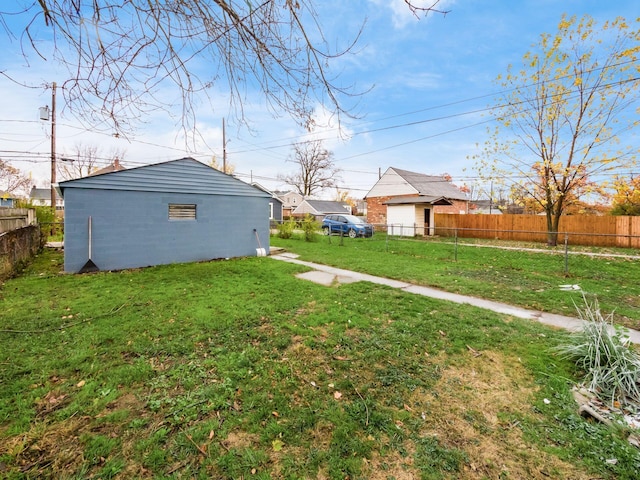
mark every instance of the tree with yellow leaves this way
{"type": "Point", "coordinates": [626, 199]}
{"type": "Point", "coordinates": [563, 116]}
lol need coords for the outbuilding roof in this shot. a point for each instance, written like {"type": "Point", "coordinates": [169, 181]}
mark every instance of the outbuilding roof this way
{"type": "Point", "coordinates": [431, 185]}
{"type": "Point", "coordinates": [321, 207]}
{"type": "Point", "coordinates": [185, 175]}
{"type": "Point", "coordinates": [426, 199]}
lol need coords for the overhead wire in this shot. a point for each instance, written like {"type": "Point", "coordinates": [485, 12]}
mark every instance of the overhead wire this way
{"type": "Point", "coordinates": [265, 148]}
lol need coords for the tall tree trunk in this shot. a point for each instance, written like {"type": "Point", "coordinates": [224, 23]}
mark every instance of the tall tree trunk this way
{"type": "Point", "coordinates": [553, 219]}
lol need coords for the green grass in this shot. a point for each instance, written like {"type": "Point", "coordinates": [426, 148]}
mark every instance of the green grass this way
{"type": "Point", "coordinates": [237, 369]}
{"type": "Point", "coordinates": [523, 278]}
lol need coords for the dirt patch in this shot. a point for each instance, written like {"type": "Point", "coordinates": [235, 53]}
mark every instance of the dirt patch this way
{"type": "Point", "coordinates": [240, 440]}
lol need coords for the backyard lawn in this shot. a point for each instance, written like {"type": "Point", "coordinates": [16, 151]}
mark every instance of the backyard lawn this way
{"type": "Point", "coordinates": [527, 278]}
{"type": "Point", "coordinates": [238, 369]}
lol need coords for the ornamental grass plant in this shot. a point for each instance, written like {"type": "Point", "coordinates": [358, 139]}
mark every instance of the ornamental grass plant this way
{"type": "Point", "coordinates": [610, 364]}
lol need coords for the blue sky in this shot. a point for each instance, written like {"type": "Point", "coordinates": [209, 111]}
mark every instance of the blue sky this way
{"type": "Point", "coordinates": [430, 80]}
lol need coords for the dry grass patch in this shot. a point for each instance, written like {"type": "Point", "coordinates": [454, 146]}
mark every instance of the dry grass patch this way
{"type": "Point", "coordinates": [49, 448]}
{"type": "Point", "coordinates": [467, 409]}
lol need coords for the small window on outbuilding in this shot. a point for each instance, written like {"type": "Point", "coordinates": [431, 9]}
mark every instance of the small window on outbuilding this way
{"type": "Point", "coordinates": [182, 211]}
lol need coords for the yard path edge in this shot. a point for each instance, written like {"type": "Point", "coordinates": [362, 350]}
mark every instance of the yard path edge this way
{"type": "Point", "coordinates": [551, 319]}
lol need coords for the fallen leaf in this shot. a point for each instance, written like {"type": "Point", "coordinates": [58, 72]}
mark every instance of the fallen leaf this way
{"type": "Point", "coordinates": [277, 445]}
{"type": "Point", "coordinates": [337, 395]}
{"type": "Point", "coordinates": [442, 333]}
{"type": "Point", "coordinates": [408, 408]}
{"type": "Point", "coordinates": [275, 414]}
{"type": "Point", "coordinates": [81, 384]}
{"type": "Point", "coordinates": [211, 434]}
{"type": "Point", "coordinates": [52, 399]}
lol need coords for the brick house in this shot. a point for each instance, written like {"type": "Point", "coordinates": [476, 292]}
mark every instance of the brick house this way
{"type": "Point", "coordinates": [409, 201]}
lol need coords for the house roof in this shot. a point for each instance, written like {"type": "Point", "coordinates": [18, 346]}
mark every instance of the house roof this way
{"type": "Point", "coordinates": [420, 199]}
{"type": "Point", "coordinates": [40, 193]}
{"type": "Point", "coordinates": [266, 190]}
{"type": "Point", "coordinates": [431, 185]}
{"type": "Point", "coordinates": [116, 166]}
{"type": "Point", "coordinates": [321, 207]}
{"type": "Point", "coordinates": [185, 175]}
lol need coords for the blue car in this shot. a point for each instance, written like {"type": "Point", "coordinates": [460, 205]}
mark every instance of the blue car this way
{"type": "Point", "coordinates": [346, 225]}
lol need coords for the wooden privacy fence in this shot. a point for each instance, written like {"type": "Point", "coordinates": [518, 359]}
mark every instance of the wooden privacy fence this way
{"type": "Point", "coordinates": [591, 230]}
{"type": "Point", "coordinates": [13, 218]}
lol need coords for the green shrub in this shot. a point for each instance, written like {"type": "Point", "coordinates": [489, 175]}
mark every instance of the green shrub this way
{"type": "Point", "coordinates": [310, 228]}
{"type": "Point", "coordinates": [285, 229]}
{"type": "Point", "coordinates": [610, 364]}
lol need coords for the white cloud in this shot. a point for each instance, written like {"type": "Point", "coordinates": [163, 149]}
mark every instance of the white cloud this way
{"type": "Point", "coordinates": [402, 14]}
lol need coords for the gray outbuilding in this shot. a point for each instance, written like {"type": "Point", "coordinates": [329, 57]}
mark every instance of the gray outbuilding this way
{"type": "Point", "coordinates": [171, 212]}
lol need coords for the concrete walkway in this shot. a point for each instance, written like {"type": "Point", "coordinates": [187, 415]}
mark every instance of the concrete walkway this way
{"type": "Point", "coordinates": [326, 275]}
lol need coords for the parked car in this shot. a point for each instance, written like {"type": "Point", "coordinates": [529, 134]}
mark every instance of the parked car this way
{"type": "Point", "coordinates": [346, 225]}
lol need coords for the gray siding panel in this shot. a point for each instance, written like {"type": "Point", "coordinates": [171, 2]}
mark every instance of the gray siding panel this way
{"type": "Point", "coordinates": [132, 228]}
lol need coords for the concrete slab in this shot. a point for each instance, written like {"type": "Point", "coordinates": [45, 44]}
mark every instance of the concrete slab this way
{"type": "Point", "coordinates": [286, 255]}
{"type": "Point", "coordinates": [326, 278]}
{"type": "Point", "coordinates": [322, 278]}
{"type": "Point", "coordinates": [344, 276]}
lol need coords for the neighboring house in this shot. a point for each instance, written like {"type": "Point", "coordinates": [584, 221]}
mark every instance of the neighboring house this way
{"type": "Point", "coordinates": [115, 166]}
{"type": "Point", "coordinates": [408, 201]}
{"type": "Point", "coordinates": [361, 207]}
{"type": "Point", "coordinates": [7, 199]}
{"type": "Point", "coordinates": [486, 207]}
{"type": "Point", "coordinates": [171, 212]}
{"type": "Point", "coordinates": [275, 204]}
{"type": "Point", "coordinates": [42, 197]}
{"type": "Point", "coordinates": [290, 201]}
{"type": "Point", "coordinates": [320, 208]}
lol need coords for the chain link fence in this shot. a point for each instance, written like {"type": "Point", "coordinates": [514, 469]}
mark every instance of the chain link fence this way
{"type": "Point", "coordinates": [415, 241]}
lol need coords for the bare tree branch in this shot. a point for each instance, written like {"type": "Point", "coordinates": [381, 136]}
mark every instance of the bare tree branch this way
{"type": "Point", "coordinates": [12, 180]}
{"type": "Point", "coordinates": [122, 55]}
{"type": "Point", "coordinates": [85, 160]}
{"type": "Point", "coordinates": [316, 169]}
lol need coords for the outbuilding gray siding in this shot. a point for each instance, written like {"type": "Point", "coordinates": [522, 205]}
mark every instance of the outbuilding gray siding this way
{"type": "Point", "coordinates": [129, 213]}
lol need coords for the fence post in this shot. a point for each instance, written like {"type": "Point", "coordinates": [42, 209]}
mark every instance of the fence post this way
{"type": "Point", "coordinates": [455, 250]}
{"type": "Point", "coordinates": [566, 254]}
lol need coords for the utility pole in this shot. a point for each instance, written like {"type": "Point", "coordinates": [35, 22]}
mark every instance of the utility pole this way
{"type": "Point", "coordinates": [224, 149]}
{"type": "Point", "coordinates": [491, 198]}
{"type": "Point", "coordinates": [53, 149]}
